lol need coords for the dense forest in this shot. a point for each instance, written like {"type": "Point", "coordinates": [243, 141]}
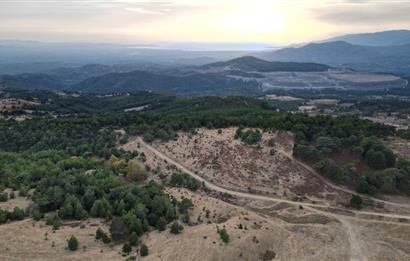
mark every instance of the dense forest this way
{"type": "Point", "coordinates": [68, 154]}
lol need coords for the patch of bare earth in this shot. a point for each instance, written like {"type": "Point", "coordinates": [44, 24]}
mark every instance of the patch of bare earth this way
{"type": "Point", "coordinates": [254, 235]}
{"type": "Point", "coordinates": [399, 146]}
{"type": "Point", "coordinates": [232, 164]}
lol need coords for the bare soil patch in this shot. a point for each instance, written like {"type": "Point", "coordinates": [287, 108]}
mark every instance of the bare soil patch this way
{"type": "Point", "coordinates": [232, 164]}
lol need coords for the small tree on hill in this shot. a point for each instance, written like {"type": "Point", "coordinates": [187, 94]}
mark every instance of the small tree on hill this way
{"type": "Point", "coordinates": [224, 235]}
{"type": "Point", "coordinates": [99, 234]}
{"type": "Point", "coordinates": [118, 229]}
{"type": "Point", "coordinates": [135, 171]}
{"type": "Point", "coordinates": [72, 243]}
{"type": "Point", "coordinates": [176, 228]}
{"type": "Point", "coordinates": [134, 239]}
{"type": "Point", "coordinates": [126, 248]}
{"type": "Point", "coordinates": [356, 202]}
{"type": "Point", "coordinates": [144, 250]}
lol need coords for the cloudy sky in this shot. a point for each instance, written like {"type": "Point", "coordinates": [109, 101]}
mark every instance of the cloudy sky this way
{"type": "Point", "coordinates": [230, 21]}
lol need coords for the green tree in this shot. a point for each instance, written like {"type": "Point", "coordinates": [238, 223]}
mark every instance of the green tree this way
{"type": "Point", "coordinates": [134, 239]}
{"type": "Point", "coordinates": [224, 235]}
{"type": "Point", "coordinates": [356, 202]}
{"type": "Point", "coordinates": [118, 229]}
{"type": "Point", "coordinates": [72, 208]}
{"type": "Point", "coordinates": [99, 233]}
{"type": "Point", "coordinates": [363, 186]}
{"type": "Point", "coordinates": [176, 228]}
{"type": "Point", "coordinates": [37, 215]}
{"type": "Point", "coordinates": [161, 223]}
{"type": "Point", "coordinates": [72, 243]}
{"type": "Point", "coordinates": [17, 214]}
{"type": "Point", "coordinates": [101, 208]}
{"type": "Point", "coordinates": [185, 205]}
{"type": "Point", "coordinates": [144, 250]}
{"type": "Point", "coordinates": [135, 171]}
{"type": "Point", "coordinates": [126, 248]}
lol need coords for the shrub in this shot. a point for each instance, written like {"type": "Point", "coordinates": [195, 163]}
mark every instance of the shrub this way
{"type": "Point", "coordinates": [224, 235]}
{"type": "Point", "coordinates": [144, 250]}
{"type": "Point", "coordinates": [126, 248]}
{"type": "Point", "coordinates": [356, 202]}
{"type": "Point", "coordinates": [185, 205]}
{"type": "Point", "coordinates": [118, 229]}
{"type": "Point", "coordinates": [176, 228]}
{"type": "Point", "coordinates": [72, 243]}
{"type": "Point", "coordinates": [106, 239]}
{"type": "Point", "coordinates": [134, 239]}
{"type": "Point", "coordinates": [17, 214]}
{"type": "Point", "coordinates": [53, 220]}
{"type": "Point", "coordinates": [99, 234]}
{"type": "Point", "coordinates": [4, 197]}
{"type": "Point", "coordinates": [37, 215]}
{"type": "Point", "coordinates": [161, 224]}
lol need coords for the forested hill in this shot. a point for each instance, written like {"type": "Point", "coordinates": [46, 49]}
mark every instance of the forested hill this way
{"type": "Point", "coordinates": [31, 81]}
{"type": "Point", "coordinates": [187, 84]}
{"type": "Point", "coordinates": [250, 63]}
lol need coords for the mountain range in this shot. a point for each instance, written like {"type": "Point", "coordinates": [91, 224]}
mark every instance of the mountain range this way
{"type": "Point", "coordinates": [378, 52]}
{"type": "Point", "coordinates": [386, 38]}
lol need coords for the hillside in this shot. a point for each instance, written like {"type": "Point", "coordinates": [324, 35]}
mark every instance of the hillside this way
{"type": "Point", "coordinates": [394, 59]}
{"type": "Point", "coordinates": [253, 64]}
{"type": "Point", "coordinates": [189, 83]}
{"type": "Point", "coordinates": [31, 81]}
{"type": "Point", "coordinates": [385, 38]}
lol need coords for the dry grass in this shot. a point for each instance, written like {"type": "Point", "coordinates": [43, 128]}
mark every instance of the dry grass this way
{"type": "Point", "coordinates": [230, 163]}
{"type": "Point", "coordinates": [29, 240]}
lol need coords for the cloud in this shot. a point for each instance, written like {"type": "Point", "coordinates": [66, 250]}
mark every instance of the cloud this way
{"type": "Point", "coordinates": [143, 11]}
{"type": "Point", "coordinates": [364, 12]}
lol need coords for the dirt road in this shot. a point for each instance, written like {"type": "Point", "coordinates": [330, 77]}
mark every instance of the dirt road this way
{"type": "Point", "coordinates": [217, 188]}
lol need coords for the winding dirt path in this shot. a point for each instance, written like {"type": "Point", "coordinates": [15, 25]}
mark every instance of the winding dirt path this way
{"type": "Point", "coordinates": [217, 188]}
{"type": "Point", "coordinates": [359, 250]}
{"type": "Point", "coordinates": [336, 187]}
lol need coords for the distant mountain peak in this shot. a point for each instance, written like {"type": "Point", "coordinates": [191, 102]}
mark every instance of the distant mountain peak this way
{"type": "Point", "coordinates": [384, 38]}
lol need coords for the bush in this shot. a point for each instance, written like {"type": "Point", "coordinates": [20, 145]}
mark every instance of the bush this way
{"type": "Point", "coordinates": [176, 228]}
{"type": "Point", "coordinates": [135, 171]}
{"type": "Point", "coordinates": [126, 248]}
{"type": "Point", "coordinates": [4, 197]}
{"type": "Point", "coordinates": [185, 205]}
{"type": "Point", "coordinates": [144, 250]}
{"type": "Point", "coordinates": [184, 180]}
{"type": "Point", "coordinates": [106, 239]}
{"type": "Point", "coordinates": [4, 216]}
{"type": "Point", "coordinates": [72, 243]}
{"type": "Point", "coordinates": [134, 239]}
{"type": "Point", "coordinates": [356, 202]}
{"type": "Point", "coordinates": [99, 234]}
{"type": "Point", "coordinates": [250, 137]}
{"type": "Point", "coordinates": [224, 235]}
{"type": "Point", "coordinates": [17, 214]}
{"type": "Point", "coordinates": [363, 186]}
{"type": "Point", "coordinates": [161, 224]}
{"type": "Point", "coordinates": [118, 230]}
{"type": "Point", "coordinates": [37, 215]}
{"type": "Point", "coordinates": [53, 220]}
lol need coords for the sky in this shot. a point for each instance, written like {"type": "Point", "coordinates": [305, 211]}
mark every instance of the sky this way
{"type": "Point", "coordinates": [206, 21]}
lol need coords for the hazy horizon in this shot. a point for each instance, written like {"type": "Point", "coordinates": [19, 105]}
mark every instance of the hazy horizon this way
{"type": "Point", "coordinates": [240, 22]}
